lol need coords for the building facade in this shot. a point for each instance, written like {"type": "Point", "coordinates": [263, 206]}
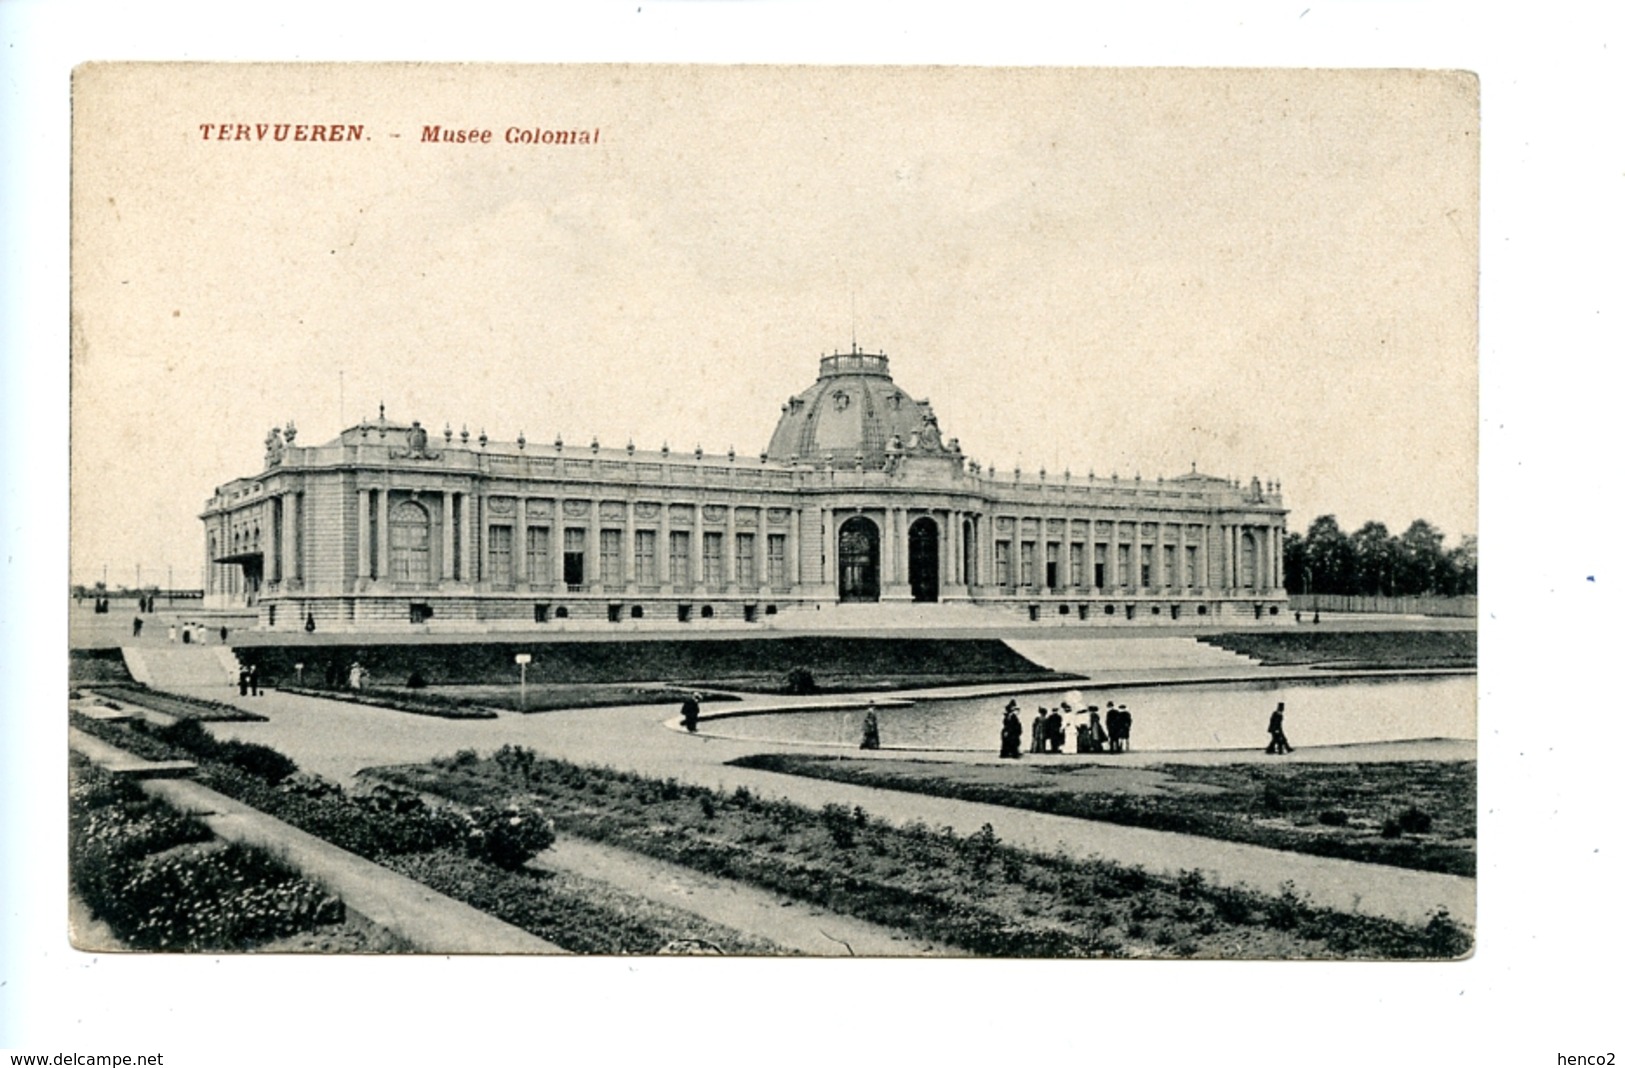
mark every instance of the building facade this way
{"type": "Point", "coordinates": [858, 497]}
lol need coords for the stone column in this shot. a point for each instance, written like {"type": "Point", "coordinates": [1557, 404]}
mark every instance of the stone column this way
{"type": "Point", "coordinates": [663, 546]}
{"type": "Point", "coordinates": [730, 565]}
{"type": "Point", "coordinates": [363, 534]}
{"type": "Point", "coordinates": [383, 533]}
{"type": "Point", "coordinates": [465, 536]}
{"type": "Point", "coordinates": [792, 551]}
{"type": "Point", "coordinates": [594, 575]}
{"type": "Point", "coordinates": [448, 539]}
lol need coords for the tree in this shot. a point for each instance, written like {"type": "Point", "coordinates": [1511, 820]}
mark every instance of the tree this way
{"type": "Point", "coordinates": [1294, 563]}
{"type": "Point", "coordinates": [1463, 566]}
{"type": "Point", "coordinates": [1374, 551]}
{"type": "Point", "coordinates": [1329, 558]}
{"type": "Point", "coordinates": [1421, 560]}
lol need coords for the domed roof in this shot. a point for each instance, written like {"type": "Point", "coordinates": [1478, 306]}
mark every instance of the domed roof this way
{"type": "Point", "coordinates": [853, 410]}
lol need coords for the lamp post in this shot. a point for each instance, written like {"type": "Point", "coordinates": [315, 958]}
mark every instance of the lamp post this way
{"type": "Point", "coordinates": [299, 673]}
{"type": "Point", "coordinates": [522, 659]}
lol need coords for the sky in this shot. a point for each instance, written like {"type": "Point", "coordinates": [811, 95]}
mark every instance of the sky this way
{"type": "Point", "coordinates": [1266, 273]}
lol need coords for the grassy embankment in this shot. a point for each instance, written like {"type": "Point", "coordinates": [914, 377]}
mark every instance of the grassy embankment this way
{"type": "Point", "coordinates": [439, 679]}
{"type": "Point", "coordinates": [968, 891]}
{"type": "Point", "coordinates": [1360, 649]}
{"type": "Point", "coordinates": [1419, 815]}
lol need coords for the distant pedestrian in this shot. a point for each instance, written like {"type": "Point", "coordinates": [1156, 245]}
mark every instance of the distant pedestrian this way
{"type": "Point", "coordinates": [691, 713]}
{"type": "Point", "coordinates": [222, 635]}
{"type": "Point", "coordinates": [1097, 733]}
{"type": "Point", "coordinates": [1126, 720]}
{"type": "Point", "coordinates": [186, 634]}
{"type": "Point", "coordinates": [871, 730]}
{"type": "Point", "coordinates": [1035, 743]}
{"type": "Point", "coordinates": [242, 682]}
{"type": "Point", "coordinates": [1054, 730]}
{"type": "Point", "coordinates": [135, 628]}
{"type": "Point", "coordinates": [1114, 728]}
{"type": "Point", "coordinates": [1278, 743]}
{"type": "Point", "coordinates": [1297, 617]}
{"type": "Point", "coordinates": [1010, 733]}
{"type": "Point", "coordinates": [254, 680]}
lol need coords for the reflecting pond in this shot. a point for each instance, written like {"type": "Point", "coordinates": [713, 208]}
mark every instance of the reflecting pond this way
{"type": "Point", "coordinates": [1230, 715]}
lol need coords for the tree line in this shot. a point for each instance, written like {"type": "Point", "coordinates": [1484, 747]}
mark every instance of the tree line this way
{"type": "Point", "coordinates": [1373, 562]}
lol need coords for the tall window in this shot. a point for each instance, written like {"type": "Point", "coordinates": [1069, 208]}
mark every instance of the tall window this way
{"type": "Point", "coordinates": [1001, 562]}
{"type": "Point", "coordinates": [501, 554]}
{"type": "Point", "coordinates": [1145, 567]}
{"type": "Point", "coordinates": [681, 554]}
{"type": "Point", "coordinates": [1026, 563]}
{"type": "Point", "coordinates": [1122, 565]}
{"type": "Point", "coordinates": [1169, 577]}
{"type": "Point", "coordinates": [711, 554]}
{"type": "Point", "coordinates": [1077, 565]}
{"type": "Point", "coordinates": [610, 570]}
{"type": "Point", "coordinates": [645, 558]}
{"type": "Point", "coordinates": [537, 567]}
{"type": "Point", "coordinates": [1101, 562]}
{"type": "Point", "coordinates": [777, 575]}
{"type": "Point", "coordinates": [1190, 567]}
{"type": "Point", "coordinates": [575, 557]}
{"type": "Point", "coordinates": [745, 559]}
{"type": "Point", "coordinates": [409, 542]}
{"type": "Point", "coordinates": [1052, 565]}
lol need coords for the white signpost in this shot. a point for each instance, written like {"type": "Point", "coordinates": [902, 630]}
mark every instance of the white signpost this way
{"type": "Point", "coordinates": [522, 659]}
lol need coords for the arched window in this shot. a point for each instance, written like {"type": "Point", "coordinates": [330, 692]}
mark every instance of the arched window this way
{"type": "Point", "coordinates": [409, 542]}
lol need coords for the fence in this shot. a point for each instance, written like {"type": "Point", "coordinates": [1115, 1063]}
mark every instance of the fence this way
{"type": "Point", "coordinates": [1397, 606]}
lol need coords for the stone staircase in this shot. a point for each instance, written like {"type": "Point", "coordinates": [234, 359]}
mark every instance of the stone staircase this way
{"type": "Point", "coordinates": [1097, 657]}
{"type": "Point", "coordinates": [178, 666]}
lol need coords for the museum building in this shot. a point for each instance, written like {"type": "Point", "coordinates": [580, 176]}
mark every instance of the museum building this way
{"type": "Point", "coordinates": [858, 497]}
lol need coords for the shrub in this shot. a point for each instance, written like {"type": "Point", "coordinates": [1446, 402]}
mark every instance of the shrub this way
{"type": "Point", "coordinates": [415, 681]}
{"type": "Point", "coordinates": [1414, 821]}
{"type": "Point", "coordinates": [516, 762]}
{"type": "Point", "coordinates": [1285, 911]}
{"type": "Point", "coordinates": [1335, 817]}
{"type": "Point", "coordinates": [509, 836]}
{"type": "Point", "coordinates": [799, 680]}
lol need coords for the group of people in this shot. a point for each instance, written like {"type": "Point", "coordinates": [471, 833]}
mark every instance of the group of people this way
{"type": "Point", "coordinates": [1051, 726]}
{"type": "Point", "coordinates": [248, 680]}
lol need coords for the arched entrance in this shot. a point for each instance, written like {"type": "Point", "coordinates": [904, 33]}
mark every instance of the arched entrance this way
{"type": "Point", "coordinates": [923, 569]}
{"type": "Point", "coordinates": [409, 542]}
{"type": "Point", "coordinates": [859, 550]}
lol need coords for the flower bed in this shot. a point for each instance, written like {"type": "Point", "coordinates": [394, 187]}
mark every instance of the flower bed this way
{"type": "Point", "coordinates": [1364, 811]}
{"type": "Point", "coordinates": [417, 704]}
{"type": "Point", "coordinates": [160, 881]}
{"type": "Point", "coordinates": [179, 705]}
{"type": "Point", "coordinates": [969, 891]}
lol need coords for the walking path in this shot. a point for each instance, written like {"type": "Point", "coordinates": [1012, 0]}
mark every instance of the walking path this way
{"type": "Point", "coordinates": [430, 921]}
{"type": "Point", "coordinates": [793, 925]}
{"type": "Point", "coordinates": [337, 739]}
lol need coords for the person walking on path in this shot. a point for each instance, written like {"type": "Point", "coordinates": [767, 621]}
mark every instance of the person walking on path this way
{"type": "Point", "coordinates": [1114, 729]}
{"type": "Point", "coordinates": [691, 713]}
{"type": "Point", "coordinates": [1278, 743]}
{"type": "Point", "coordinates": [135, 628]}
{"type": "Point", "coordinates": [871, 730]}
{"type": "Point", "coordinates": [1126, 723]}
{"type": "Point", "coordinates": [1036, 742]}
{"type": "Point", "coordinates": [253, 680]}
{"type": "Point", "coordinates": [1097, 742]}
{"type": "Point", "coordinates": [242, 682]}
{"type": "Point", "coordinates": [1010, 732]}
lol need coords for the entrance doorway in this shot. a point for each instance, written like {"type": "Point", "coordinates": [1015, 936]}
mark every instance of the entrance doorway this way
{"type": "Point", "coordinates": [923, 569]}
{"type": "Point", "coordinates": [859, 550]}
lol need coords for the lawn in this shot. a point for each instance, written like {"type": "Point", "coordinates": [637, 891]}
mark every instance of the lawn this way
{"type": "Point", "coordinates": [1412, 814]}
{"type": "Point", "coordinates": [1354, 649]}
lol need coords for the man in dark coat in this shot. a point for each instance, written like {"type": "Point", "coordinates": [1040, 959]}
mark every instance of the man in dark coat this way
{"type": "Point", "coordinates": [1010, 733]}
{"type": "Point", "coordinates": [1278, 743]}
{"type": "Point", "coordinates": [1053, 730]}
{"type": "Point", "coordinates": [691, 713]}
